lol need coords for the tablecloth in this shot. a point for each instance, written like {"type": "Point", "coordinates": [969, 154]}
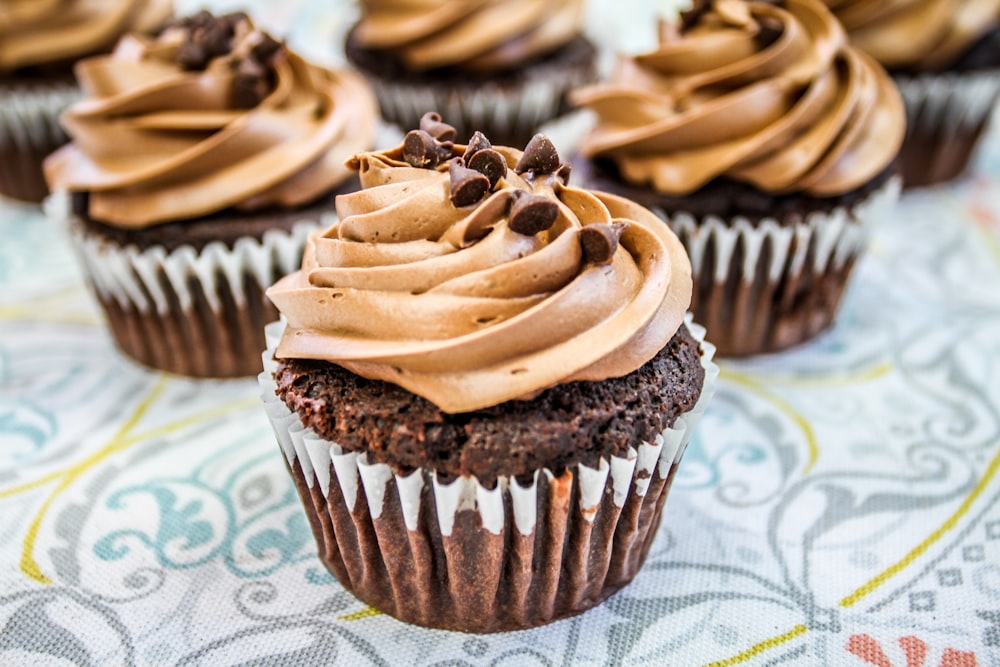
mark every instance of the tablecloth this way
{"type": "Point", "coordinates": [838, 505]}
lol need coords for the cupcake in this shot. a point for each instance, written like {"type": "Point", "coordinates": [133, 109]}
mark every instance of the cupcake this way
{"type": "Point", "coordinates": [768, 145]}
{"type": "Point", "coordinates": [500, 67]}
{"type": "Point", "coordinates": [39, 42]}
{"type": "Point", "coordinates": [945, 58]}
{"type": "Point", "coordinates": [200, 161]}
{"type": "Point", "coordinates": [483, 383]}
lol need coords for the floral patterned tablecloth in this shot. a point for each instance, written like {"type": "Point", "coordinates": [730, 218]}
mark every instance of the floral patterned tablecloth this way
{"type": "Point", "coordinates": [837, 507]}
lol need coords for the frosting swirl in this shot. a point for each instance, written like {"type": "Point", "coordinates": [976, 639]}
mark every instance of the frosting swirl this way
{"type": "Point", "coordinates": [764, 94]}
{"type": "Point", "coordinates": [36, 32]}
{"type": "Point", "coordinates": [532, 284]}
{"type": "Point", "coordinates": [916, 34]}
{"type": "Point", "coordinates": [475, 35]}
{"type": "Point", "coordinates": [212, 114]}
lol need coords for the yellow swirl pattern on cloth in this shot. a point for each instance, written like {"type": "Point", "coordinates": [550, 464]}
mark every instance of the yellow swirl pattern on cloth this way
{"type": "Point", "coordinates": [34, 32]}
{"type": "Point", "coordinates": [764, 94]}
{"type": "Point", "coordinates": [924, 35]}
{"type": "Point", "coordinates": [484, 35]}
{"type": "Point", "coordinates": [455, 306]}
{"type": "Point", "coordinates": [153, 142]}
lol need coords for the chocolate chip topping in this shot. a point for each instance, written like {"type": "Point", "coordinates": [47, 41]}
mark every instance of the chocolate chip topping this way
{"type": "Point", "coordinates": [468, 186]}
{"type": "Point", "coordinates": [600, 241]}
{"type": "Point", "coordinates": [191, 56]}
{"type": "Point", "coordinates": [531, 214]}
{"type": "Point", "coordinates": [421, 150]}
{"type": "Point", "coordinates": [477, 143]}
{"type": "Point", "coordinates": [251, 84]}
{"type": "Point", "coordinates": [490, 164]}
{"type": "Point", "coordinates": [540, 156]}
{"type": "Point", "coordinates": [563, 172]}
{"type": "Point", "coordinates": [432, 124]}
{"type": "Point", "coordinates": [266, 48]}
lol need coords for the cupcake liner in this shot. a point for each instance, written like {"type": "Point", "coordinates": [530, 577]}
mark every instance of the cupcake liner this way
{"type": "Point", "coordinates": [946, 114]}
{"type": "Point", "coordinates": [29, 131]}
{"type": "Point", "coordinates": [460, 555]}
{"type": "Point", "coordinates": [507, 115]}
{"type": "Point", "coordinates": [767, 286]}
{"type": "Point", "coordinates": [197, 313]}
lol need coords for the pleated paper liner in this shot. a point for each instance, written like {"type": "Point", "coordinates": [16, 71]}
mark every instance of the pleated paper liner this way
{"type": "Point", "coordinates": [466, 557]}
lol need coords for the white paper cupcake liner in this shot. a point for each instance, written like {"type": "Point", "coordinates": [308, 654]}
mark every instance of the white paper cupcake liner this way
{"type": "Point", "coordinates": [30, 130]}
{"type": "Point", "coordinates": [572, 539]}
{"type": "Point", "coordinates": [945, 114]}
{"type": "Point", "coordinates": [762, 287]}
{"type": "Point", "coordinates": [198, 313]}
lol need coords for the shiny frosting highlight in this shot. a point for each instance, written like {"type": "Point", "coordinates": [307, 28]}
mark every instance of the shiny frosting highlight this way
{"type": "Point", "coordinates": [470, 34]}
{"type": "Point", "coordinates": [156, 141]}
{"type": "Point", "coordinates": [452, 304]}
{"type": "Point", "coordinates": [35, 32]}
{"type": "Point", "coordinates": [916, 34]}
{"type": "Point", "coordinates": [755, 92]}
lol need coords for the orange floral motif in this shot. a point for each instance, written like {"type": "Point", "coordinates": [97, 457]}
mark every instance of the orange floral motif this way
{"type": "Point", "coordinates": [868, 649]}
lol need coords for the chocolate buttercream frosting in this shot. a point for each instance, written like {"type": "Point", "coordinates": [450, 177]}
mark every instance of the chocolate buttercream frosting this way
{"type": "Point", "coordinates": [210, 115]}
{"type": "Point", "coordinates": [921, 35]}
{"type": "Point", "coordinates": [767, 94]}
{"type": "Point", "coordinates": [483, 35]}
{"type": "Point", "coordinates": [470, 296]}
{"type": "Point", "coordinates": [38, 32]}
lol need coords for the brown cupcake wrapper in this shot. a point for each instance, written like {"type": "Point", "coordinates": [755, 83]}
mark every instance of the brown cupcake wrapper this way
{"type": "Point", "coordinates": [197, 313]}
{"type": "Point", "coordinates": [506, 115]}
{"type": "Point", "coordinates": [762, 287]}
{"type": "Point", "coordinates": [946, 114]}
{"type": "Point", "coordinates": [29, 131]}
{"type": "Point", "coordinates": [462, 556]}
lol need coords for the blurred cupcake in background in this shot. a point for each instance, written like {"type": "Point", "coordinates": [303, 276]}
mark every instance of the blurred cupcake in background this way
{"type": "Point", "coordinates": [199, 162]}
{"type": "Point", "coordinates": [40, 40]}
{"type": "Point", "coordinates": [500, 67]}
{"type": "Point", "coordinates": [945, 57]}
{"type": "Point", "coordinates": [767, 144]}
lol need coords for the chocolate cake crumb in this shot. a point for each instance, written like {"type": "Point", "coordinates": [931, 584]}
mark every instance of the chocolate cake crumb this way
{"type": "Point", "coordinates": [576, 422]}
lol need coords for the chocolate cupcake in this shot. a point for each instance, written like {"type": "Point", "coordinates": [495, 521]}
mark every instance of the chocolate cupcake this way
{"type": "Point", "coordinates": [500, 67]}
{"type": "Point", "coordinates": [768, 145]}
{"type": "Point", "coordinates": [485, 384]}
{"type": "Point", "coordinates": [200, 162]}
{"type": "Point", "coordinates": [945, 58]}
{"type": "Point", "coordinates": [39, 43]}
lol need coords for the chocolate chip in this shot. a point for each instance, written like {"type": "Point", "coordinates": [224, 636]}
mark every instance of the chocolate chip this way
{"type": "Point", "coordinates": [201, 19]}
{"type": "Point", "coordinates": [563, 172]}
{"type": "Point", "coordinates": [216, 39]}
{"type": "Point", "coordinates": [540, 156]}
{"type": "Point", "coordinates": [250, 84]}
{"type": "Point", "coordinates": [768, 32]}
{"type": "Point", "coordinates": [431, 123]}
{"type": "Point", "coordinates": [531, 214]}
{"type": "Point", "coordinates": [191, 56]}
{"type": "Point", "coordinates": [477, 143]}
{"type": "Point", "coordinates": [489, 163]}
{"type": "Point", "coordinates": [421, 150]}
{"type": "Point", "coordinates": [265, 49]}
{"type": "Point", "coordinates": [468, 186]}
{"type": "Point", "coordinates": [600, 241]}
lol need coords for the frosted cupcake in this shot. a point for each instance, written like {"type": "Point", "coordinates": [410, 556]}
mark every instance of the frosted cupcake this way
{"type": "Point", "coordinates": [39, 43]}
{"type": "Point", "coordinates": [500, 67]}
{"type": "Point", "coordinates": [945, 58]}
{"type": "Point", "coordinates": [485, 384]}
{"type": "Point", "coordinates": [200, 162]}
{"type": "Point", "coordinates": [768, 145]}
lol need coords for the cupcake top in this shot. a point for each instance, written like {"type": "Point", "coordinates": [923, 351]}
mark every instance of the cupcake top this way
{"type": "Point", "coordinates": [921, 35]}
{"type": "Point", "coordinates": [210, 115]}
{"type": "Point", "coordinates": [472, 275]}
{"type": "Point", "coordinates": [756, 92]}
{"type": "Point", "coordinates": [477, 35]}
{"type": "Point", "coordinates": [38, 32]}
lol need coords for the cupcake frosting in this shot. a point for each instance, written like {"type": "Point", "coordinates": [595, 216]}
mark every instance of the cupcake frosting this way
{"type": "Point", "coordinates": [471, 276]}
{"type": "Point", "coordinates": [756, 92]}
{"type": "Point", "coordinates": [210, 115]}
{"type": "Point", "coordinates": [916, 34]}
{"type": "Point", "coordinates": [472, 34]}
{"type": "Point", "coordinates": [35, 32]}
